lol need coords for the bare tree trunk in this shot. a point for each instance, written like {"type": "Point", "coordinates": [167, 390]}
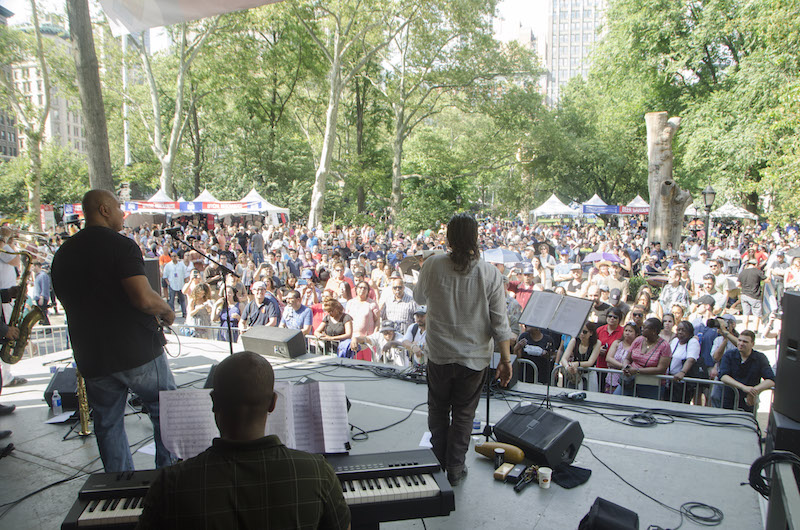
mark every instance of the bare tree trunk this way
{"type": "Point", "coordinates": [33, 182]}
{"type": "Point", "coordinates": [397, 158]}
{"type": "Point", "coordinates": [329, 139]}
{"type": "Point", "coordinates": [94, 114]}
{"type": "Point", "coordinates": [667, 200]}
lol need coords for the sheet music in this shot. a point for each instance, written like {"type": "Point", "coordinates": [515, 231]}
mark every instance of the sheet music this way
{"type": "Point", "coordinates": [187, 422]}
{"type": "Point", "coordinates": [567, 318]}
{"type": "Point", "coordinates": [333, 415]}
{"type": "Point", "coordinates": [307, 423]}
{"type": "Point", "coordinates": [281, 420]}
{"type": "Point", "coordinates": [539, 310]}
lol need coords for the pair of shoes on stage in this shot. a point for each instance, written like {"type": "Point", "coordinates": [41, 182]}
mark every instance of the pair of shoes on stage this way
{"type": "Point", "coordinates": [457, 478]}
{"type": "Point", "coordinates": [17, 381]}
{"type": "Point", "coordinates": [7, 409]}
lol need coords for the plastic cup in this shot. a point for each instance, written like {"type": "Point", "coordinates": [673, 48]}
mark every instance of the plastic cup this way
{"type": "Point", "coordinates": [544, 475]}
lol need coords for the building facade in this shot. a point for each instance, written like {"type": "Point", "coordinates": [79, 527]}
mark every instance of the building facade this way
{"type": "Point", "coordinates": [573, 29]}
{"type": "Point", "coordinates": [8, 131]}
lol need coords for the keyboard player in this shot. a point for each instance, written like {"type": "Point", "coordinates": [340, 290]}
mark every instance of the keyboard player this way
{"type": "Point", "coordinates": [246, 479]}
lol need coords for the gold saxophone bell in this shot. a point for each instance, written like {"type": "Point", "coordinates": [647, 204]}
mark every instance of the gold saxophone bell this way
{"type": "Point", "coordinates": [83, 405]}
{"type": "Point", "coordinates": [13, 350]}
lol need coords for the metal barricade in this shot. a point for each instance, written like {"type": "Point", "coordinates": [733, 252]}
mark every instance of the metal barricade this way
{"type": "Point", "coordinates": [686, 391]}
{"type": "Point", "coordinates": [524, 364]}
{"type": "Point", "coordinates": [47, 339]}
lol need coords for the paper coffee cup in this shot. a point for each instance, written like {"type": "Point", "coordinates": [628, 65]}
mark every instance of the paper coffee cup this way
{"type": "Point", "coordinates": [544, 475]}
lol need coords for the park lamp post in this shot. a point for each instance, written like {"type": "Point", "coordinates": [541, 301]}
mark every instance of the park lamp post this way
{"type": "Point", "coordinates": [709, 195]}
{"type": "Point", "coordinates": [458, 201]}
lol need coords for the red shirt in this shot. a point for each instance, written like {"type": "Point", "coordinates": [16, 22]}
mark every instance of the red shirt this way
{"type": "Point", "coordinates": [607, 339]}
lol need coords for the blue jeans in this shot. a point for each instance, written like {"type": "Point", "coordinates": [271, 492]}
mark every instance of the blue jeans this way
{"type": "Point", "coordinates": [107, 396]}
{"type": "Point", "coordinates": [181, 300]}
{"type": "Point", "coordinates": [642, 391]}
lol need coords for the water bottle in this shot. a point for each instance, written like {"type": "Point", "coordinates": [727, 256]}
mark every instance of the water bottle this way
{"type": "Point", "coordinates": [56, 402]}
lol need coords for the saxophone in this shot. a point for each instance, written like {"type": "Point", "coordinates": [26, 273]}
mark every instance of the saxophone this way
{"type": "Point", "coordinates": [14, 349]}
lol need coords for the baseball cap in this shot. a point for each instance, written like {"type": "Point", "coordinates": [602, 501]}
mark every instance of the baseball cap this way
{"type": "Point", "coordinates": [423, 310]}
{"type": "Point", "coordinates": [306, 274]}
{"type": "Point", "coordinates": [386, 327]}
{"type": "Point", "coordinates": [705, 299]}
{"type": "Point", "coordinates": [614, 295]}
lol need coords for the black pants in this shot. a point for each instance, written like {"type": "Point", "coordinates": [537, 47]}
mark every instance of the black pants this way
{"type": "Point", "coordinates": [453, 395]}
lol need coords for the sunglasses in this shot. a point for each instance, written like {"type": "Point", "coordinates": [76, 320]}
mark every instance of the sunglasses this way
{"type": "Point", "coordinates": [638, 314]}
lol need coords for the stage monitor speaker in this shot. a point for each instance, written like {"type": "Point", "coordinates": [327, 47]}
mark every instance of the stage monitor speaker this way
{"type": "Point", "coordinates": [514, 369]}
{"type": "Point", "coordinates": [66, 382]}
{"type": "Point", "coordinates": [787, 391]}
{"type": "Point", "coordinates": [547, 438]}
{"type": "Point", "coordinates": [274, 342]}
{"type": "Point", "coordinates": [605, 515]}
{"type": "Point", "coordinates": [783, 434]}
{"type": "Point", "coordinates": [152, 271]}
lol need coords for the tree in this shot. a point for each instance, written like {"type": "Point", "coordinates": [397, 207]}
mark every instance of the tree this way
{"type": "Point", "coordinates": [667, 200]}
{"type": "Point", "coordinates": [31, 117]}
{"type": "Point", "coordinates": [345, 27]}
{"type": "Point", "coordinates": [91, 95]}
{"type": "Point", "coordinates": [166, 151]}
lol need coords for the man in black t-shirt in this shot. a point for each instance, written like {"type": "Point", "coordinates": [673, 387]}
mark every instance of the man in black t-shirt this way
{"type": "Point", "coordinates": [114, 320]}
{"type": "Point", "coordinates": [750, 280]}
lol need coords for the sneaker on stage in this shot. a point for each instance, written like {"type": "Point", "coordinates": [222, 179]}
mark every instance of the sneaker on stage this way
{"type": "Point", "coordinates": [7, 409]}
{"type": "Point", "coordinates": [17, 381]}
{"type": "Point", "coordinates": [4, 434]}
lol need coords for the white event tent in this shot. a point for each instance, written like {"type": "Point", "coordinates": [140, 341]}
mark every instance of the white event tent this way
{"type": "Point", "coordinates": [729, 210]}
{"type": "Point", "coordinates": [553, 207]}
{"type": "Point", "coordinates": [595, 201]}
{"type": "Point", "coordinates": [638, 202]}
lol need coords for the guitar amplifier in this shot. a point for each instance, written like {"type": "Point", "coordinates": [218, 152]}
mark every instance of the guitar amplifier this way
{"type": "Point", "coordinates": [546, 437]}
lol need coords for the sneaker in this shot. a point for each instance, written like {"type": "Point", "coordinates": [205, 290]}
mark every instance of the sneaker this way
{"type": "Point", "coordinates": [17, 381]}
{"type": "Point", "coordinates": [7, 409]}
{"type": "Point", "coordinates": [4, 434]}
{"type": "Point", "coordinates": [456, 478]}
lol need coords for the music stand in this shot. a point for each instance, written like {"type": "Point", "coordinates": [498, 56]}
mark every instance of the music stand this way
{"type": "Point", "coordinates": [562, 314]}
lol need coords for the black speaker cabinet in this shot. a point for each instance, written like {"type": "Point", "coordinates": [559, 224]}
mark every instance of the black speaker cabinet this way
{"type": "Point", "coordinates": [547, 438]}
{"type": "Point", "coordinates": [66, 382]}
{"type": "Point", "coordinates": [153, 273]}
{"type": "Point", "coordinates": [787, 392]}
{"type": "Point", "coordinates": [783, 434]}
{"type": "Point", "coordinates": [274, 342]}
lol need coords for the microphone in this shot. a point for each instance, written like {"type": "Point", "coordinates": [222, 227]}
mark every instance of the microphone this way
{"type": "Point", "coordinates": [174, 232]}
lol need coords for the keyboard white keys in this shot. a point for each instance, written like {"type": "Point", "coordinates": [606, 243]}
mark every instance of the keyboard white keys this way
{"type": "Point", "coordinates": [385, 489]}
{"type": "Point", "coordinates": [111, 511]}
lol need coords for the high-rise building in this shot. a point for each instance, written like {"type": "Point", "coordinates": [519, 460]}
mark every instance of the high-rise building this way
{"type": "Point", "coordinates": [8, 131]}
{"type": "Point", "coordinates": [64, 124]}
{"type": "Point", "coordinates": [572, 32]}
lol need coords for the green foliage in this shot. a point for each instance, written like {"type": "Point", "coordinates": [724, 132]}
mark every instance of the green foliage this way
{"type": "Point", "coordinates": [426, 206]}
{"type": "Point", "coordinates": [65, 178]}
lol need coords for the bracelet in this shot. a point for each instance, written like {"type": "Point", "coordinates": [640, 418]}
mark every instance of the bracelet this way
{"type": "Point", "coordinates": [507, 361]}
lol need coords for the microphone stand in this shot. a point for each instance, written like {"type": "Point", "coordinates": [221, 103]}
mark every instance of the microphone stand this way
{"type": "Point", "coordinates": [225, 272]}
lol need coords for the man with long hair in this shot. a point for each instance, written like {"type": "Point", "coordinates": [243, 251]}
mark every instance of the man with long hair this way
{"type": "Point", "coordinates": [466, 306]}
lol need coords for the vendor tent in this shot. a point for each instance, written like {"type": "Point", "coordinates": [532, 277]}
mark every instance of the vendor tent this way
{"type": "Point", "coordinates": [728, 210]}
{"type": "Point", "coordinates": [153, 210]}
{"type": "Point", "coordinates": [692, 211]}
{"type": "Point", "coordinates": [205, 196]}
{"type": "Point", "coordinates": [553, 207]}
{"type": "Point", "coordinates": [595, 201]}
{"type": "Point", "coordinates": [638, 202]}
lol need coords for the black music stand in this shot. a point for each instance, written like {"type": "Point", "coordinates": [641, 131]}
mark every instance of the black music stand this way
{"type": "Point", "coordinates": [562, 314]}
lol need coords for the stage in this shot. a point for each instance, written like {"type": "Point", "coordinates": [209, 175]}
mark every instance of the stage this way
{"type": "Point", "coordinates": [673, 461]}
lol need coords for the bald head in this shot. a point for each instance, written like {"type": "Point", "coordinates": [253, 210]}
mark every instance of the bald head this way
{"type": "Point", "coordinates": [243, 395]}
{"type": "Point", "coordinates": [101, 208]}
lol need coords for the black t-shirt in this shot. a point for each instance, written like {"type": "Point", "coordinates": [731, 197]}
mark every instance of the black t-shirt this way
{"type": "Point", "coordinates": [108, 334]}
{"type": "Point", "coordinates": [751, 279]}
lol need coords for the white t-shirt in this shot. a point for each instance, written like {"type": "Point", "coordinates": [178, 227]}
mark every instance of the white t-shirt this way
{"type": "Point", "coordinates": [681, 352]}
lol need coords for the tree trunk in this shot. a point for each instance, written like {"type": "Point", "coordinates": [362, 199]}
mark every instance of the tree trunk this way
{"type": "Point", "coordinates": [360, 109]}
{"type": "Point", "coordinates": [331, 117]}
{"type": "Point", "coordinates": [667, 200]}
{"type": "Point", "coordinates": [34, 182]}
{"type": "Point", "coordinates": [94, 115]}
{"type": "Point", "coordinates": [397, 159]}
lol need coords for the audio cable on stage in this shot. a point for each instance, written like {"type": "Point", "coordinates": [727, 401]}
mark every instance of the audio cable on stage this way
{"type": "Point", "coordinates": [697, 512]}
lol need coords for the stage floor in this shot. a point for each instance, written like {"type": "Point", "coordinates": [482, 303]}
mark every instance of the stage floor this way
{"type": "Point", "coordinates": [674, 462]}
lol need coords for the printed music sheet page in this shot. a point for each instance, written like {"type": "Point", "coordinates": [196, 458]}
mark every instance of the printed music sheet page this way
{"type": "Point", "coordinates": [187, 422]}
{"type": "Point", "coordinates": [333, 416]}
{"type": "Point", "coordinates": [281, 420]}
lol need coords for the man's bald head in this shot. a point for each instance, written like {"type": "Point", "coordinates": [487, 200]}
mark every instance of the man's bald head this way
{"type": "Point", "coordinates": [101, 208]}
{"type": "Point", "coordinates": [243, 395]}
